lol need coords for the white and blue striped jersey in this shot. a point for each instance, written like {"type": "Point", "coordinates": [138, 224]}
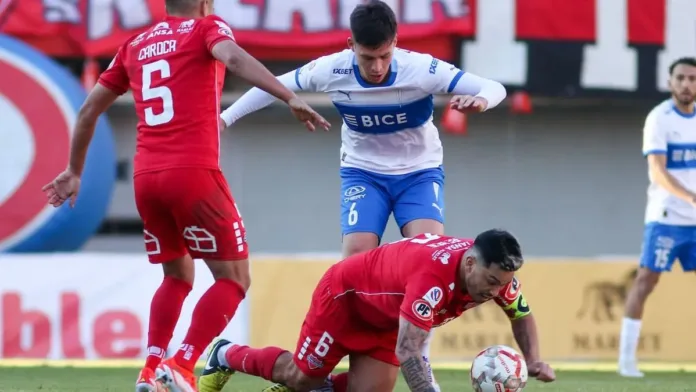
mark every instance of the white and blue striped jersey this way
{"type": "Point", "coordinates": [387, 128]}
{"type": "Point", "coordinates": [673, 133]}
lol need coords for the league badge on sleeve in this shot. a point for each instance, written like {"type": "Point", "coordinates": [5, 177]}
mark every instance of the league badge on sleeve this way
{"type": "Point", "coordinates": [422, 310]}
{"type": "Point", "coordinates": [224, 29]}
{"type": "Point", "coordinates": [433, 296]}
{"type": "Point", "coordinates": [39, 101]}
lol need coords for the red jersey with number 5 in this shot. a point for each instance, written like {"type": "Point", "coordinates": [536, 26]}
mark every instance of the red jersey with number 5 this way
{"type": "Point", "coordinates": [176, 85]}
{"type": "Point", "coordinates": [415, 278]}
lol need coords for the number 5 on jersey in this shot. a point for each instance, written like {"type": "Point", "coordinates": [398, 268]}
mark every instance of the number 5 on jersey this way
{"type": "Point", "coordinates": [321, 350]}
{"type": "Point", "coordinates": [163, 93]}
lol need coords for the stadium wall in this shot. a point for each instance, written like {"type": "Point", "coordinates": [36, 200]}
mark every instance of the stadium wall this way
{"type": "Point", "coordinates": [95, 306]}
{"type": "Point", "coordinates": [568, 181]}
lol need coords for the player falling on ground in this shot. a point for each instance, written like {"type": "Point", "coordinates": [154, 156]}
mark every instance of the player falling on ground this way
{"type": "Point", "coordinates": [176, 72]}
{"type": "Point", "coordinates": [669, 141]}
{"type": "Point", "coordinates": [391, 154]}
{"type": "Point", "coordinates": [377, 307]}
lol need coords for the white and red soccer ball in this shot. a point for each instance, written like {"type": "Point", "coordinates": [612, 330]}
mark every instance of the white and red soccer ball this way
{"type": "Point", "coordinates": [498, 369]}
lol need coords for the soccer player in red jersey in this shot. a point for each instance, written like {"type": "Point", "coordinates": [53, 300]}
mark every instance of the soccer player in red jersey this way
{"type": "Point", "coordinates": [176, 71]}
{"type": "Point", "coordinates": [378, 307]}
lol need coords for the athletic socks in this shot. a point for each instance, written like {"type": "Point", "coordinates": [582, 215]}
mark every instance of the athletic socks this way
{"type": "Point", "coordinates": [628, 345]}
{"type": "Point", "coordinates": [251, 361]}
{"type": "Point", "coordinates": [165, 309]}
{"type": "Point", "coordinates": [211, 315]}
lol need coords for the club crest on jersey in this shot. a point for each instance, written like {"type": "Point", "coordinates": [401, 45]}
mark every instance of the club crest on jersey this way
{"type": "Point", "coordinates": [422, 310]}
{"type": "Point", "coordinates": [433, 296]}
{"type": "Point", "coordinates": [39, 101]}
{"type": "Point", "coordinates": [513, 290]}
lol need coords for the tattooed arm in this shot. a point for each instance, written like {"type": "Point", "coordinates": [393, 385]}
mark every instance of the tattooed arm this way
{"type": "Point", "coordinates": [513, 303]}
{"type": "Point", "coordinates": [511, 300]}
{"type": "Point", "coordinates": [525, 332]}
{"type": "Point", "coordinates": [409, 346]}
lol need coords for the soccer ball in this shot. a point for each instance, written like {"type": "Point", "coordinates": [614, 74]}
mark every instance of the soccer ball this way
{"type": "Point", "coordinates": [498, 369]}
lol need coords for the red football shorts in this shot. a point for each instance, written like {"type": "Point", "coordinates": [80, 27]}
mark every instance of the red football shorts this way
{"type": "Point", "coordinates": [192, 211]}
{"type": "Point", "coordinates": [331, 331]}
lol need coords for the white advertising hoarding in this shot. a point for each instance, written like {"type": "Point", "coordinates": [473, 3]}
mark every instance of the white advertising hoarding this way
{"type": "Point", "coordinates": [89, 306]}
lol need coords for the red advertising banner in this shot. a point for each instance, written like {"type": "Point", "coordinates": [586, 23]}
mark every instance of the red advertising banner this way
{"type": "Point", "coordinates": [548, 47]}
{"type": "Point", "coordinates": [580, 20]}
{"type": "Point", "coordinates": [270, 29]}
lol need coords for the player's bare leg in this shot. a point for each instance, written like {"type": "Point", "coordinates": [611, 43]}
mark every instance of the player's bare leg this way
{"type": "Point", "coordinates": [165, 309]}
{"type": "Point", "coordinates": [643, 286]}
{"type": "Point", "coordinates": [366, 374]}
{"type": "Point", "coordinates": [211, 315]}
{"type": "Point", "coordinates": [412, 229]}
{"type": "Point", "coordinates": [354, 243]}
{"type": "Point", "coordinates": [286, 372]}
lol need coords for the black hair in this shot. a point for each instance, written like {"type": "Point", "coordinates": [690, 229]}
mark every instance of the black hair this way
{"type": "Point", "coordinates": [690, 61]}
{"type": "Point", "coordinates": [373, 24]}
{"type": "Point", "coordinates": [499, 247]}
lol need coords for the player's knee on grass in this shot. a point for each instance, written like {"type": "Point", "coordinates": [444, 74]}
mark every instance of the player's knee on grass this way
{"type": "Point", "coordinates": [237, 271]}
{"type": "Point", "coordinates": [291, 376]}
{"type": "Point", "coordinates": [355, 243]}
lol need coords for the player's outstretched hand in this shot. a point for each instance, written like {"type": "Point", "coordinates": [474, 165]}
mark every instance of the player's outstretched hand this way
{"type": "Point", "coordinates": [468, 103]}
{"type": "Point", "coordinates": [541, 371]}
{"type": "Point", "coordinates": [307, 115]}
{"type": "Point", "coordinates": [65, 186]}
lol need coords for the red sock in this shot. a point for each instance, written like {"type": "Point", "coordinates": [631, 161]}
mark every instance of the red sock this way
{"type": "Point", "coordinates": [164, 313]}
{"type": "Point", "coordinates": [253, 361]}
{"type": "Point", "coordinates": [210, 317]}
{"type": "Point", "coordinates": [340, 382]}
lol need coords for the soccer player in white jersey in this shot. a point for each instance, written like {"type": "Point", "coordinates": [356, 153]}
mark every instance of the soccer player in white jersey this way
{"type": "Point", "coordinates": [669, 143]}
{"type": "Point", "coordinates": [391, 154]}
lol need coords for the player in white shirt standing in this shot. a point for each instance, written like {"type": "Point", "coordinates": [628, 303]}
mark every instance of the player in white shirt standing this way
{"type": "Point", "coordinates": [391, 154]}
{"type": "Point", "coordinates": [669, 143]}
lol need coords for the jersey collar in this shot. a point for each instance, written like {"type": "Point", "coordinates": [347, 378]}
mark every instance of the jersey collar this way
{"type": "Point", "coordinates": [682, 114]}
